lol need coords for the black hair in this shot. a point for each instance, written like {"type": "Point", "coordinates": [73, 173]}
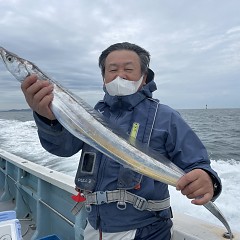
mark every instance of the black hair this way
{"type": "Point", "coordinates": [142, 53]}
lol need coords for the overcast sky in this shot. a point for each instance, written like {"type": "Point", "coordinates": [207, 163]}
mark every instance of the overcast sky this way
{"type": "Point", "coordinates": [194, 46]}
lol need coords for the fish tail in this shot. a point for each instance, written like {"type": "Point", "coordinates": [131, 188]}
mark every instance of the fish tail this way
{"type": "Point", "coordinates": [210, 206]}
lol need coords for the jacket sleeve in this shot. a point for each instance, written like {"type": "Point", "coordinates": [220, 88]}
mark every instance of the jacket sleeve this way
{"type": "Point", "coordinates": [55, 138]}
{"type": "Point", "coordinates": [184, 148]}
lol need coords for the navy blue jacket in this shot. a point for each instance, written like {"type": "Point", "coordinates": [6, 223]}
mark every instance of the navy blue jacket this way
{"type": "Point", "coordinates": [170, 136]}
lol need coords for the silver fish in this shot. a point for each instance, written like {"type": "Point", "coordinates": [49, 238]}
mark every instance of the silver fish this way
{"type": "Point", "coordinates": [90, 126]}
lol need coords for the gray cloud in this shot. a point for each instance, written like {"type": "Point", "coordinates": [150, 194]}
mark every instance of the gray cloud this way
{"type": "Point", "coordinates": [195, 45]}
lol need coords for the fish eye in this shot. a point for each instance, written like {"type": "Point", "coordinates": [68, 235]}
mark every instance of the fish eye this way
{"type": "Point", "coordinates": [9, 58]}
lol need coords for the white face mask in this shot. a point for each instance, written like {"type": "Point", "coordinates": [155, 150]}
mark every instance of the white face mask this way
{"type": "Point", "coordinates": [122, 87]}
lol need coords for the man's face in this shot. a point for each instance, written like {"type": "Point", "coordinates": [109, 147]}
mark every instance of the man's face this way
{"type": "Point", "coordinates": [123, 63]}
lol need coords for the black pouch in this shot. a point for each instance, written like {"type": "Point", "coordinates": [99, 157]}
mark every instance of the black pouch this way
{"type": "Point", "coordinates": [86, 175]}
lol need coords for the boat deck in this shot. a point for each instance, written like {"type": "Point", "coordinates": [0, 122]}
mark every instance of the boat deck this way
{"type": "Point", "coordinates": [28, 226]}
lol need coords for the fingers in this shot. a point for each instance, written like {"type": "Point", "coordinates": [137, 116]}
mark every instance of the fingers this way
{"type": "Point", "coordinates": [196, 185]}
{"type": "Point", "coordinates": [38, 94]}
{"type": "Point", "coordinates": [35, 91]}
{"type": "Point", "coordinates": [202, 200]}
{"type": "Point", "coordinates": [28, 82]}
{"type": "Point", "coordinates": [186, 180]}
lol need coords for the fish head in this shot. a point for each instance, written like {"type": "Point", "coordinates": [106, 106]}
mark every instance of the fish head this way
{"type": "Point", "coordinates": [15, 65]}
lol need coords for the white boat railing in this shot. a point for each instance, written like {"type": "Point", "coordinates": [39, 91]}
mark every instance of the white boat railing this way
{"type": "Point", "coordinates": [41, 194]}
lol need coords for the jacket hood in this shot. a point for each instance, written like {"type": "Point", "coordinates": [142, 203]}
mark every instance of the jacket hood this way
{"type": "Point", "coordinates": [130, 101]}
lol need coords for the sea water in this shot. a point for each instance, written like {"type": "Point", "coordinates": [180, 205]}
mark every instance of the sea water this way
{"type": "Point", "coordinates": [219, 130]}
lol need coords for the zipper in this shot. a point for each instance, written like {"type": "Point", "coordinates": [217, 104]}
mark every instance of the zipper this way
{"type": "Point", "coordinates": [120, 109]}
{"type": "Point", "coordinates": [101, 171]}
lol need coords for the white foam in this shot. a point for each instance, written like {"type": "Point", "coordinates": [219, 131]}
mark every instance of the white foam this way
{"type": "Point", "coordinates": [22, 139]}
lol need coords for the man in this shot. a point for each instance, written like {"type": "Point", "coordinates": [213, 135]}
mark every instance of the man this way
{"type": "Point", "coordinates": [128, 85]}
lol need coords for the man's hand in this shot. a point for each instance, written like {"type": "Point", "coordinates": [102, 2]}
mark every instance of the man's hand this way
{"type": "Point", "coordinates": [38, 95]}
{"type": "Point", "coordinates": [196, 185]}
